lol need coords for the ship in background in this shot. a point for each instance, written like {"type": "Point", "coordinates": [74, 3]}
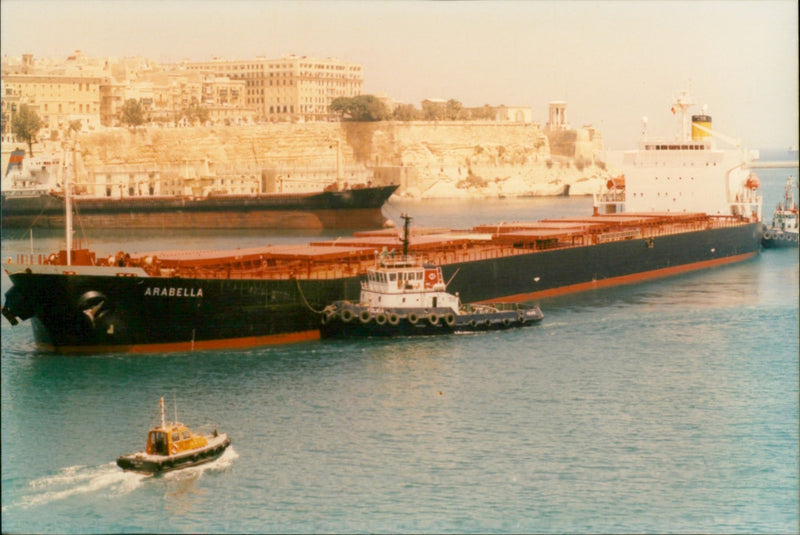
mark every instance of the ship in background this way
{"type": "Point", "coordinates": [681, 205]}
{"type": "Point", "coordinates": [783, 231]}
{"type": "Point", "coordinates": [33, 197]}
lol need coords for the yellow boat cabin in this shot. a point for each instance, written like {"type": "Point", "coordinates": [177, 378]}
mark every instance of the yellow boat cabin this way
{"type": "Point", "coordinates": [172, 439]}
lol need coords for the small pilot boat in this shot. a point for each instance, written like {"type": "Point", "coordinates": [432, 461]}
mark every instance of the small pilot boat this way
{"type": "Point", "coordinates": [404, 296]}
{"type": "Point", "coordinates": [172, 446]}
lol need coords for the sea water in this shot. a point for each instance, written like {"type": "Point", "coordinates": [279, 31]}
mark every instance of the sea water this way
{"type": "Point", "coordinates": [666, 406]}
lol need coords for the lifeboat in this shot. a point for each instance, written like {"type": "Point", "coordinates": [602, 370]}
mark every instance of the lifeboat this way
{"type": "Point", "coordinates": [172, 446]}
{"type": "Point", "coordinates": [752, 182]}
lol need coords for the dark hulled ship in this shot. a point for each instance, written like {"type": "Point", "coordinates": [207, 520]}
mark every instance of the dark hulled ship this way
{"type": "Point", "coordinates": [33, 196]}
{"type": "Point", "coordinates": [682, 205]}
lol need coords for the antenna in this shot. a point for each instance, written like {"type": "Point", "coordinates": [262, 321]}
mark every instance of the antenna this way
{"type": "Point", "coordinates": [161, 404]}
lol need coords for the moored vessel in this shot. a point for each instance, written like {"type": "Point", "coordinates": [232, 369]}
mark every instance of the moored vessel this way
{"type": "Point", "coordinates": [33, 196]}
{"type": "Point", "coordinates": [172, 446]}
{"type": "Point", "coordinates": [683, 205]}
{"type": "Point", "coordinates": [404, 296]}
{"type": "Point", "coordinates": [783, 231]}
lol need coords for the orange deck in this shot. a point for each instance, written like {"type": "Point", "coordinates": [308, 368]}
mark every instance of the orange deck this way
{"type": "Point", "coordinates": [348, 256]}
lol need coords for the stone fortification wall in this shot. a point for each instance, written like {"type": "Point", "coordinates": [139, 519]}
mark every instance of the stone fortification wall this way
{"type": "Point", "coordinates": [428, 159]}
{"type": "Point", "coordinates": [312, 145]}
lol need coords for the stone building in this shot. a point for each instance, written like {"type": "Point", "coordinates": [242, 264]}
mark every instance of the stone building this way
{"type": "Point", "coordinates": [57, 99]}
{"type": "Point", "coordinates": [291, 88]}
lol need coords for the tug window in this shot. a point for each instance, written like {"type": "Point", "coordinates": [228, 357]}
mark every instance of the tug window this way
{"type": "Point", "coordinates": [185, 435]}
{"type": "Point", "coordinates": [176, 437]}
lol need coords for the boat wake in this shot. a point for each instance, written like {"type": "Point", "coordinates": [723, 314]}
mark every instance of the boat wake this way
{"type": "Point", "coordinates": [107, 478]}
{"type": "Point", "coordinates": [77, 480]}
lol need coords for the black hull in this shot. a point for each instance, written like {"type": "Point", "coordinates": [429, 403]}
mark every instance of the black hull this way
{"type": "Point", "coordinates": [360, 323]}
{"type": "Point", "coordinates": [172, 462]}
{"type": "Point", "coordinates": [356, 208]}
{"type": "Point", "coordinates": [777, 239]}
{"type": "Point", "coordinates": [194, 314]}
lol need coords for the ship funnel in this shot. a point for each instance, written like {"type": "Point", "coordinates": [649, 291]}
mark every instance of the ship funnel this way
{"type": "Point", "coordinates": [704, 124]}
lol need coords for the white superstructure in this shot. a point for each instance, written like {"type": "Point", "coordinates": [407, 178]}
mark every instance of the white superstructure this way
{"type": "Point", "coordinates": [406, 283]}
{"type": "Point", "coordinates": [686, 174]}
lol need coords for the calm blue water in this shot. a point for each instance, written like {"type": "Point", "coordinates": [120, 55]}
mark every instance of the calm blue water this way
{"type": "Point", "coordinates": [669, 406]}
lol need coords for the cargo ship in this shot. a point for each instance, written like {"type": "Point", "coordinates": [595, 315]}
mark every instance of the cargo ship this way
{"type": "Point", "coordinates": [33, 196]}
{"type": "Point", "coordinates": [682, 205]}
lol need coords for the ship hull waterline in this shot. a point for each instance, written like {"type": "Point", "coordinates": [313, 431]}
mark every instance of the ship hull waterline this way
{"type": "Point", "coordinates": [199, 314]}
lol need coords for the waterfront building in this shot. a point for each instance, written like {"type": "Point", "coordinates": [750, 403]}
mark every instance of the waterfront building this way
{"type": "Point", "coordinates": [57, 99]}
{"type": "Point", "coordinates": [291, 88]}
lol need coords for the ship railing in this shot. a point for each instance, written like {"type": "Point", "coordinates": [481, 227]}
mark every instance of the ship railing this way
{"type": "Point", "coordinates": [399, 261]}
{"type": "Point", "coordinates": [288, 271]}
{"type": "Point", "coordinates": [29, 258]}
{"type": "Point", "coordinates": [619, 235]}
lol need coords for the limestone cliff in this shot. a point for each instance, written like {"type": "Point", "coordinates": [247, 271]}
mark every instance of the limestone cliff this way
{"type": "Point", "coordinates": [428, 159]}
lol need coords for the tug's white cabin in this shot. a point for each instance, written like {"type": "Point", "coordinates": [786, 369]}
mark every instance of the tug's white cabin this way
{"type": "Point", "coordinates": [406, 283]}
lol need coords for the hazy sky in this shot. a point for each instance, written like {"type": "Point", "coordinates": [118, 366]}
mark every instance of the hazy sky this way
{"type": "Point", "coordinates": [613, 62]}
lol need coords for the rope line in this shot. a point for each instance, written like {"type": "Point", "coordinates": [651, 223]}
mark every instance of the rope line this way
{"type": "Point", "coordinates": [305, 301]}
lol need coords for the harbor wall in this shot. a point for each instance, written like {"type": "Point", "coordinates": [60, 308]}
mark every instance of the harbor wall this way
{"type": "Point", "coordinates": [428, 159]}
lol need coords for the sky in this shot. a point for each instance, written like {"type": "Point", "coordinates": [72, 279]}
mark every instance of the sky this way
{"type": "Point", "coordinates": [613, 62]}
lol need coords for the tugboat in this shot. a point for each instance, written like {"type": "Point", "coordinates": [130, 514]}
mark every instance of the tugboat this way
{"type": "Point", "coordinates": [172, 446]}
{"type": "Point", "coordinates": [405, 296]}
{"type": "Point", "coordinates": [783, 230]}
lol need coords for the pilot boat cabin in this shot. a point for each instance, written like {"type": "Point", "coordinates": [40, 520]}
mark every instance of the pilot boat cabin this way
{"type": "Point", "coordinates": [172, 439]}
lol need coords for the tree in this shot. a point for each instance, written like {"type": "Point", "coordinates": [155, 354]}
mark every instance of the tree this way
{"type": "Point", "coordinates": [360, 108]}
{"type": "Point", "coordinates": [132, 113]}
{"type": "Point", "coordinates": [196, 112]}
{"type": "Point", "coordinates": [433, 110]}
{"type": "Point", "coordinates": [453, 109]}
{"type": "Point", "coordinates": [25, 125]}
{"type": "Point", "coordinates": [406, 112]}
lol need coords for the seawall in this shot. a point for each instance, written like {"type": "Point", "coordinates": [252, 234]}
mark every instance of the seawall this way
{"type": "Point", "coordinates": [443, 159]}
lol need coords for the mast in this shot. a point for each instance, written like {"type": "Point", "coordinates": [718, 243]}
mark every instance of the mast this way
{"type": "Point", "coordinates": [68, 202]}
{"type": "Point", "coordinates": [406, 221]}
{"type": "Point", "coordinates": [161, 403]}
{"type": "Point", "coordinates": [682, 104]}
{"type": "Point", "coordinates": [339, 178]}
